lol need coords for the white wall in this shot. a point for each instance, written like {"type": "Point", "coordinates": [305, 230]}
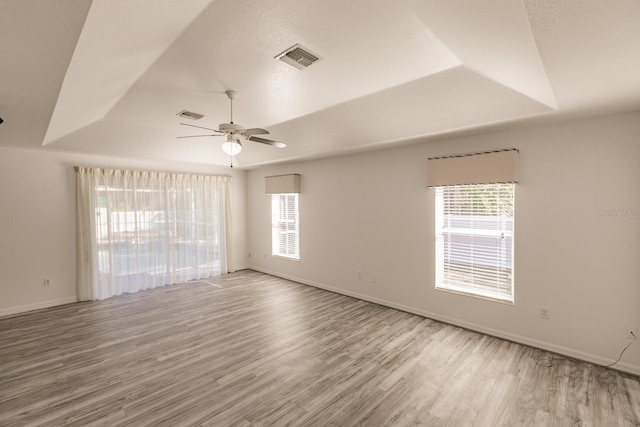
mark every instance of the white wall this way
{"type": "Point", "coordinates": [38, 222]}
{"type": "Point", "coordinates": [372, 213]}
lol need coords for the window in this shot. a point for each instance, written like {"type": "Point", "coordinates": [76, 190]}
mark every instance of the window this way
{"type": "Point", "coordinates": [474, 240]}
{"type": "Point", "coordinates": [285, 226]}
{"type": "Point", "coordinates": [141, 230]}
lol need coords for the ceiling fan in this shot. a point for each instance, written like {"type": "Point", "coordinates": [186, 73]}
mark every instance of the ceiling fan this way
{"type": "Point", "coordinates": [234, 132]}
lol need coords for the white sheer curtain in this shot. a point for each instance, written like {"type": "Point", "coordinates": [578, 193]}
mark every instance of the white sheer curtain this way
{"type": "Point", "coordinates": [140, 230]}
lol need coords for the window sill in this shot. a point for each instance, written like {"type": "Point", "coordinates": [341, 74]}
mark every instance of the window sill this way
{"type": "Point", "coordinates": [285, 257]}
{"type": "Point", "coordinates": [488, 297]}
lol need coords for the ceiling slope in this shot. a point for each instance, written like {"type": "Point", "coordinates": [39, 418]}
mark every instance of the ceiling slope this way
{"type": "Point", "coordinates": [492, 37]}
{"type": "Point", "coordinates": [119, 42]}
{"type": "Point", "coordinates": [433, 105]}
{"type": "Point", "coordinates": [109, 76]}
{"type": "Point", "coordinates": [591, 51]}
{"type": "Point", "coordinates": [37, 41]}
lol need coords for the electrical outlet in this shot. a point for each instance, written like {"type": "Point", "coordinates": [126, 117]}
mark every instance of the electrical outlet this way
{"type": "Point", "coordinates": [46, 281]}
{"type": "Point", "coordinates": [359, 275]}
{"type": "Point", "coordinates": [373, 278]}
{"type": "Point", "coordinates": [632, 332]}
{"type": "Point", "coordinates": [544, 313]}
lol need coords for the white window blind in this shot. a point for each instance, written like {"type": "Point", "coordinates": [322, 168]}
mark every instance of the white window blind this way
{"type": "Point", "coordinates": [474, 239]}
{"type": "Point", "coordinates": [285, 225]}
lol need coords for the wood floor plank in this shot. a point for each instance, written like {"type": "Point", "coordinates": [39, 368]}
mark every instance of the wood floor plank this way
{"type": "Point", "coordinates": [249, 349]}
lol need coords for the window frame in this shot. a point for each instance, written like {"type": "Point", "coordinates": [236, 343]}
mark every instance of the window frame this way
{"type": "Point", "coordinates": [500, 289]}
{"type": "Point", "coordinates": [281, 226]}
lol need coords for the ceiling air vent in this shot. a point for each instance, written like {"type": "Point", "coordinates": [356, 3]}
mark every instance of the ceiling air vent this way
{"type": "Point", "coordinates": [190, 115]}
{"type": "Point", "coordinates": [297, 56]}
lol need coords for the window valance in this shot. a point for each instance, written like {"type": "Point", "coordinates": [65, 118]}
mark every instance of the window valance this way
{"type": "Point", "coordinates": [279, 184]}
{"type": "Point", "coordinates": [489, 167]}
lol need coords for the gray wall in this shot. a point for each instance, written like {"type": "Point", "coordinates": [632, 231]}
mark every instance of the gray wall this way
{"type": "Point", "coordinates": [38, 222]}
{"type": "Point", "coordinates": [372, 213]}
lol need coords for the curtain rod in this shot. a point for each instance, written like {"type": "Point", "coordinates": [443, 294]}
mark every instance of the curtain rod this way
{"type": "Point", "coordinates": [77, 169]}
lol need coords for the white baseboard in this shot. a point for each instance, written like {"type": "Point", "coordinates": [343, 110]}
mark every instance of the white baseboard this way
{"type": "Point", "coordinates": [37, 306]}
{"type": "Point", "coordinates": [576, 354]}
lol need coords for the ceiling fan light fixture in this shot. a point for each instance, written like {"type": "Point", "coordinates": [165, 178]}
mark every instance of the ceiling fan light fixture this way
{"type": "Point", "coordinates": [232, 146]}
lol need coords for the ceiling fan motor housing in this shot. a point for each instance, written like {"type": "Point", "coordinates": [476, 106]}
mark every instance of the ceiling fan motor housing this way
{"type": "Point", "coordinates": [230, 127]}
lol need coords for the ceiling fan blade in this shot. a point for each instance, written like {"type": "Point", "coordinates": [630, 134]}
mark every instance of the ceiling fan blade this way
{"type": "Point", "coordinates": [267, 141]}
{"type": "Point", "coordinates": [254, 131]}
{"type": "Point", "coordinates": [200, 127]}
{"type": "Point", "coordinates": [195, 136]}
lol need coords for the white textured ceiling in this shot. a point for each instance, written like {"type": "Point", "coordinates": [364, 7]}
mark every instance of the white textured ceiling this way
{"type": "Point", "coordinates": [109, 76]}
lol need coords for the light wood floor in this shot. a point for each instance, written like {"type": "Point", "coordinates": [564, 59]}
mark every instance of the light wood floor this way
{"type": "Point", "coordinates": [251, 349]}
